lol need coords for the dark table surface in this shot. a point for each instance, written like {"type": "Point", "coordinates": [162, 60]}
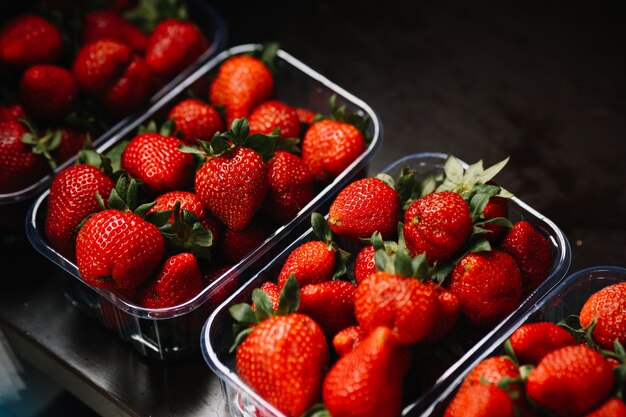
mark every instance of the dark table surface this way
{"type": "Point", "coordinates": [545, 84]}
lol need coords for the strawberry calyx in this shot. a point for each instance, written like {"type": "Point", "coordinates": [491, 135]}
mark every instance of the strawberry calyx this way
{"type": "Point", "coordinates": [404, 185]}
{"type": "Point", "coordinates": [396, 259]}
{"type": "Point", "coordinates": [267, 54]}
{"type": "Point", "coordinates": [321, 229]}
{"type": "Point", "coordinates": [338, 113]}
{"type": "Point", "coordinates": [89, 156]}
{"type": "Point", "coordinates": [42, 145]}
{"type": "Point", "coordinates": [286, 144]}
{"type": "Point", "coordinates": [317, 410]}
{"type": "Point", "coordinates": [125, 195]}
{"type": "Point", "coordinates": [148, 13]}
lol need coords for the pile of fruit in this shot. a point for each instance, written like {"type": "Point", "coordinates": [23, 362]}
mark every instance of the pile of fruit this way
{"type": "Point", "coordinates": [66, 76]}
{"type": "Point", "coordinates": [452, 260]}
{"type": "Point", "coordinates": [555, 369]}
{"type": "Point", "coordinates": [192, 199]}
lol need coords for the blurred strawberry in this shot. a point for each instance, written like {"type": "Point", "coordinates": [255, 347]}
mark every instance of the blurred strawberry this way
{"type": "Point", "coordinates": [236, 244]}
{"type": "Point", "coordinates": [19, 166]}
{"type": "Point", "coordinates": [48, 92]}
{"type": "Point", "coordinates": [531, 342]}
{"type": "Point", "coordinates": [173, 45]}
{"type": "Point", "coordinates": [450, 310]}
{"type": "Point", "coordinates": [272, 115]}
{"type": "Point", "coordinates": [347, 339]}
{"type": "Point", "coordinates": [72, 141]}
{"type": "Point", "coordinates": [481, 401]}
{"type": "Point", "coordinates": [28, 40]}
{"type": "Point", "coordinates": [107, 24]}
{"type": "Point", "coordinates": [12, 113]}
{"type": "Point", "coordinates": [305, 116]}
{"type": "Point", "coordinates": [195, 120]}
{"type": "Point", "coordinates": [364, 264]}
{"type": "Point", "coordinates": [613, 407]}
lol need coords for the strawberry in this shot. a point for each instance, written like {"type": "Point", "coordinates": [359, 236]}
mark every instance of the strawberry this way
{"type": "Point", "coordinates": [157, 161]}
{"type": "Point", "coordinates": [491, 371]}
{"type": "Point", "coordinates": [290, 187]}
{"type": "Point", "coordinates": [613, 407]}
{"type": "Point", "coordinates": [331, 146]}
{"type": "Point", "coordinates": [178, 281]}
{"type": "Point", "coordinates": [272, 115]}
{"type": "Point", "coordinates": [571, 381]}
{"type": "Point", "coordinates": [367, 381]}
{"type": "Point", "coordinates": [532, 252]}
{"type": "Point", "coordinates": [450, 309]}
{"type": "Point", "coordinates": [28, 40]}
{"type": "Point", "coordinates": [237, 244]}
{"type": "Point", "coordinates": [305, 116]}
{"type": "Point", "coordinates": [242, 82]}
{"type": "Point", "coordinates": [273, 292]}
{"type": "Point", "coordinates": [19, 166]}
{"type": "Point", "coordinates": [72, 141]}
{"type": "Point", "coordinates": [437, 224]}
{"type": "Point", "coordinates": [495, 207]}
{"type": "Point", "coordinates": [347, 339]}
{"type": "Point", "coordinates": [364, 264]}
{"type": "Point", "coordinates": [364, 207]}
{"type": "Point", "coordinates": [117, 250]}
{"type": "Point", "coordinates": [195, 120]}
{"type": "Point", "coordinates": [531, 342]}
{"type": "Point", "coordinates": [330, 304]}
{"type": "Point", "coordinates": [489, 286]}
{"type": "Point", "coordinates": [48, 92]}
{"type": "Point", "coordinates": [73, 198]}
{"type": "Point", "coordinates": [608, 308]}
{"type": "Point", "coordinates": [12, 113]}
{"type": "Point", "coordinates": [173, 45]}
{"type": "Point", "coordinates": [481, 401]}
{"type": "Point", "coordinates": [107, 24]}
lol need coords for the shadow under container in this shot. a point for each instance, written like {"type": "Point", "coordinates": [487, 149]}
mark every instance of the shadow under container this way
{"type": "Point", "coordinates": [243, 401]}
{"type": "Point", "coordinates": [174, 332]}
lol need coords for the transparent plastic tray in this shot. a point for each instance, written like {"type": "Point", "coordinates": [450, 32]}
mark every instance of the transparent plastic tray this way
{"type": "Point", "coordinates": [564, 300]}
{"type": "Point", "coordinates": [217, 333]}
{"type": "Point", "coordinates": [173, 332]}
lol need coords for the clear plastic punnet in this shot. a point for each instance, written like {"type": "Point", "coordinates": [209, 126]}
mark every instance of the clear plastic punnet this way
{"type": "Point", "coordinates": [217, 334]}
{"type": "Point", "coordinates": [174, 332]}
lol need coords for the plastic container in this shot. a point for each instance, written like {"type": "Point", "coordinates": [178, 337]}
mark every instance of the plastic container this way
{"type": "Point", "coordinates": [211, 23]}
{"type": "Point", "coordinates": [173, 332]}
{"type": "Point", "coordinates": [564, 300]}
{"type": "Point", "coordinates": [217, 334]}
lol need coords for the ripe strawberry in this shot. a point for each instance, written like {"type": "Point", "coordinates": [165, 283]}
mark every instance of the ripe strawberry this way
{"type": "Point", "coordinates": [290, 186]}
{"type": "Point", "coordinates": [407, 306]}
{"type": "Point", "coordinates": [367, 381]}
{"type": "Point", "coordinates": [491, 371]}
{"type": "Point", "coordinates": [489, 286]}
{"type": "Point", "coordinates": [131, 91]}
{"type": "Point", "coordinates": [531, 342]}
{"type": "Point", "coordinates": [273, 292]}
{"type": "Point", "coordinates": [48, 92]}
{"type": "Point", "coordinates": [329, 147]}
{"type": "Point", "coordinates": [28, 40]}
{"type": "Point", "coordinates": [532, 252]}
{"type": "Point", "coordinates": [72, 141]}
{"type": "Point", "coordinates": [178, 281]}
{"type": "Point", "coordinates": [608, 308]}
{"type": "Point", "coordinates": [237, 244]}
{"type": "Point", "coordinates": [19, 166]}
{"type": "Point", "coordinates": [312, 262]}
{"type": "Point", "coordinates": [173, 45]}
{"type": "Point", "coordinates": [330, 304]}
{"type": "Point", "coordinates": [118, 250]}
{"type": "Point", "coordinates": [450, 309]}
{"type": "Point", "coordinates": [571, 381]}
{"type": "Point", "coordinates": [481, 401]}
{"type": "Point", "coordinates": [157, 161]}
{"type": "Point", "coordinates": [12, 113]}
{"type": "Point", "coordinates": [613, 407]}
{"type": "Point", "coordinates": [347, 339]}
{"type": "Point", "coordinates": [437, 224]}
{"type": "Point", "coordinates": [495, 207]}
{"type": "Point", "coordinates": [283, 360]}
{"type": "Point", "coordinates": [242, 82]}
{"type": "Point", "coordinates": [274, 114]}
{"type": "Point", "coordinates": [364, 264]}
{"type": "Point", "coordinates": [305, 116]}
{"type": "Point", "coordinates": [364, 207]}
{"type": "Point", "coordinates": [72, 198]}
{"type": "Point", "coordinates": [107, 24]}
{"type": "Point", "coordinates": [195, 120]}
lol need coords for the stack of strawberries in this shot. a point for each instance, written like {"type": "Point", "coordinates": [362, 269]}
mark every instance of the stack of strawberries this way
{"type": "Point", "coordinates": [70, 82]}
{"type": "Point", "coordinates": [192, 199]}
{"type": "Point", "coordinates": [454, 261]}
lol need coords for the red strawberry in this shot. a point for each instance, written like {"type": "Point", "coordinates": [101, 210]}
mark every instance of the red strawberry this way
{"type": "Point", "coordinates": [437, 224]}
{"type": "Point", "coordinates": [368, 380]}
{"type": "Point", "coordinates": [405, 305]}
{"type": "Point", "coordinates": [242, 82]}
{"type": "Point", "coordinates": [178, 281]}
{"type": "Point", "coordinates": [19, 166]}
{"type": "Point", "coordinates": [489, 286]}
{"type": "Point", "coordinates": [106, 24]}
{"type": "Point", "coordinates": [48, 92]}
{"type": "Point", "coordinates": [157, 161]}
{"type": "Point", "coordinates": [571, 381]}
{"type": "Point", "coordinates": [495, 207]}
{"type": "Point", "coordinates": [195, 120]}
{"type": "Point", "coordinates": [329, 147]}
{"type": "Point", "coordinates": [364, 264]}
{"type": "Point", "coordinates": [613, 407]}
{"type": "Point", "coordinates": [118, 250]}
{"type": "Point", "coordinates": [532, 252]}
{"type": "Point", "coordinates": [12, 113]}
{"type": "Point", "coordinates": [491, 371]}
{"type": "Point", "coordinates": [237, 244]}
{"type": "Point", "coordinates": [290, 186]}
{"type": "Point", "coordinates": [273, 292]}
{"type": "Point", "coordinates": [72, 141]}
{"type": "Point", "coordinates": [312, 262]}
{"type": "Point", "coordinates": [364, 207]}
{"type": "Point", "coordinates": [330, 304]}
{"type": "Point", "coordinates": [173, 45]}
{"type": "Point", "coordinates": [481, 401]}
{"type": "Point", "coordinates": [608, 308]}
{"type": "Point", "coordinates": [72, 198]}
{"type": "Point", "coordinates": [274, 114]}
{"type": "Point", "coordinates": [28, 40]}
{"type": "Point", "coordinates": [531, 342]}
{"type": "Point", "coordinates": [283, 360]}
{"type": "Point", "coordinates": [305, 116]}
{"type": "Point", "coordinates": [131, 91]}
{"type": "Point", "coordinates": [347, 339]}
{"type": "Point", "coordinates": [450, 309]}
